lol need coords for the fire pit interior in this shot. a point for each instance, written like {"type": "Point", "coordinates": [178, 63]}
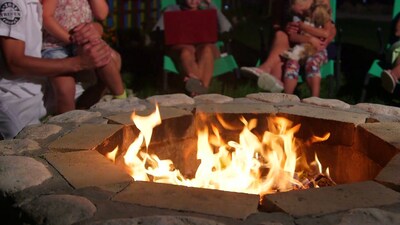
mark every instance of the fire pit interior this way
{"type": "Point", "coordinates": [318, 143]}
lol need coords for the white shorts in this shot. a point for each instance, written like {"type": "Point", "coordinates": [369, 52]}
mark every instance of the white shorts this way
{"type": "Point", "coordinates": [18, 111]}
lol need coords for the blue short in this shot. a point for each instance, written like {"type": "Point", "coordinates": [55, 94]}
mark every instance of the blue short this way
{"type": "Point", "coordinates": [57, 52]}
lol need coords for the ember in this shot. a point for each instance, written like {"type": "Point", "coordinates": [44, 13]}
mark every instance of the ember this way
{"type": "Point", "coordinates": [271, 163]}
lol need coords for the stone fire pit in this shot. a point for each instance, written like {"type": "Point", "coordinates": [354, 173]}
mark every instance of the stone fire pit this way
{"type": "Point", "coordinates": [56, 172]}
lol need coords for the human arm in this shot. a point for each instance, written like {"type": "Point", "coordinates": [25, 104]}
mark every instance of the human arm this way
{"type": "Point", "coordinates": [51, 24]}
{"type": "Point", "coordinates": [99, 9]}
{"type": "Point", "coordinates": [20, 64]}
{"type": "Point", "coordinates": [293, 28]}
{"type": "Point", "coordinates": [322, 32]}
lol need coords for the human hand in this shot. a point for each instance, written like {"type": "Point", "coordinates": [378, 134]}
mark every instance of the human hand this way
{"type": "Point", "coordinates": [85, 33]}
{"type": "Point", "coordinates": [317, 43]}
{"type": "Point", "coordinates": [292, 27]}
{"type": "Point", "coordinates": [94, 55]}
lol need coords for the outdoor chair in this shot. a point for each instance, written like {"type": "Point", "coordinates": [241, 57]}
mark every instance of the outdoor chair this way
{"type": "Point", "coordinates": [331, 69]}
{"type": "Point", "coordinates": [225, 64]}
{"type": "Point", "coordinates": [377, 65]}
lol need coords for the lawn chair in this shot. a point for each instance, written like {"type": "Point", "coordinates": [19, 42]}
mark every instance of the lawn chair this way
{"type": "Point", "coordinates": [331, 69]}
{"type": "Point", "coordinates": [376, 67]}
{"type": "Point", "coordinates": [225, 64]}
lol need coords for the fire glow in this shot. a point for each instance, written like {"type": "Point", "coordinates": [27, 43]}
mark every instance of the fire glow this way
{"type": "Point", "coordinates": [256, 165]}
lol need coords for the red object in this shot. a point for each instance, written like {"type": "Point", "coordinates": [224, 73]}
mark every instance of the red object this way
{"type": "Point", "coordinates": [190, 27]}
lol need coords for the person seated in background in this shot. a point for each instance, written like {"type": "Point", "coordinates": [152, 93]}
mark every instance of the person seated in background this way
{"type": "Point", "coordinates": [195, 61]}
{"type": "Point", "coordinates": [391, 77]}
{"type": "Point", "coordinates": [270, 73]}
{"type": "Point", "coordinates": [59, 17]}
{"type": "Point", "coordinates": [23, 72]}
{"type": "Point", "coordinates": [316, 25]}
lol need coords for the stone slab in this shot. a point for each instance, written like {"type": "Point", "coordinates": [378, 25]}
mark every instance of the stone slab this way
{"type": "Point", "coordinates": [206, 201]}
{"type": "Point", "coordinates": [176, 124]}
{"type": "Point", "coordinates": [330, 103]}
{"type": "Point", "coordinates": [171, 100]}
{"type": "Point", "coordinates": [165, 113]}
{"type": "Point", "coordinates": [318, 121]}
{"type": "Point", "coordinates": [104, 137]}
{"type": "Point", "coordinates": [322, 201]}
{"type": "Point", "coordinates": [89, 168]}
{"type": "Point", "coordinates": [387, 131]}
{"type": "Point", "coordinates": [236, 108]}
{"type": "Point", "coordinates": [274, 97]}
{"type": "Point", "coordinates": [380, 141]}
{"type": "Point", "coordinates": [390, 175]}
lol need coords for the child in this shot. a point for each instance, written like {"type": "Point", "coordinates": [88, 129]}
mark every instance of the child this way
{"type": "Point", "coordinates": [59, 18]}
{"type": "Point", "coordinates": [320, 16]}
{"type": "Point", "coordinates": [195, 62]}
{"type": "Point", "coordinates": [314, 59]}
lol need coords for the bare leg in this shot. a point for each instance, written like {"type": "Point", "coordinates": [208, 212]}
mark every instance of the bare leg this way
{"type": "Point", "coordinates": [290, 85]}
{"type": "Point", "coordinates": [64, 91]}
{"type": "Point", "coordinates": [206, 55]}
{"type": "Point", "coordinates": [274, 62]}
{"type": "Point", "coordinates": [111, 76]}
{"type": "Point", "coordinates": [184, 57]}
{"type": "Point", "coordinates": [315, 85]}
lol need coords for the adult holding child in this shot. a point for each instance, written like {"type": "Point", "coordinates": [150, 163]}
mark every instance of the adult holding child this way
{"type": "Point", "coordinates": [23, 72]}
{"type": "Point", "coordinates": [195, 61]}
{"type": "Point", "coordinates": [287, 33]}
{"type": "Point", "coordinates": [61, 16]}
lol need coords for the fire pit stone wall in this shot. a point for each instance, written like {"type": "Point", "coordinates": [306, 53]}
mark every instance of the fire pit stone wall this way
{"type": "Point", "coordinates": [55, 172]}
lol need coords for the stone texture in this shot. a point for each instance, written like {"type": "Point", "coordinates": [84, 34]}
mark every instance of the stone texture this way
{"type": "Point", "coordinates": [380, 141]}
{"type": "Point", "coordinates": [212, 98]}
{"type": "Point", "coordinates": [322, 201]}
{"type": "Point", "coordinates": [19, 172]}
{"type": "Point", "coordinates": [159, 220]}
{"type": "Point", "coordinates": [89, 168]}
{"type": "Point", "coordinates": [274, 97]}
{"type": "Point", "coordinates": [39, 131]}
{"type": "Point", "coordinates": [171, 100]}
{"type": "Point", "coordinates": [389, 132]}
{"type": "Point", "coordinates": [369, 217]}
{"type": "Point", "coordinates": [101, 137]}
{"type": "Point", "coordinates": [206, 201]}
{"type": "Point", "coordinates": [236, 108]}
{"type": "Point", "coordinates": [75, 116]}
{"type": "Point", "coordinates": [175, 124]}
{"type": "Point", "coordinates": [320, 121]}
{"type": "Point", "coordinates": [119, 105]}
{"type": "Point", "coordinates": [326, 114]}
{"type": "Point", "coordinates": [18, 146]}
{"type": "Point", "coordinates": [389, 175]}
{"type": "Point", "coordinates": [379, 109]}
{"type": "Point", "coordinates": [59, 209]}
{"type": "Point", "coordinates": [330, 103]}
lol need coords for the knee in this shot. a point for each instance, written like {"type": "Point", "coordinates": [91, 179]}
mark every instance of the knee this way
{"type": "Point", "coordinates": [186, 53]}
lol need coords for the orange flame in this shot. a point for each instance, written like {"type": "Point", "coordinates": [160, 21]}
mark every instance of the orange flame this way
{"type": "Point", "coordinates": [230, 166]}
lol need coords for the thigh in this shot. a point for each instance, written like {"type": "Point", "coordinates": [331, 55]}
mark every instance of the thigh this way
{"type": "Point", "coordinates": [202, 48]}
{"type": "Point", "coordinates": [176, 51]}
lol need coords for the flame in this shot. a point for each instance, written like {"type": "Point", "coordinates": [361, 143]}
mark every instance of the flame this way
{"type": "Point", "coordinates": [112, 155]}
{"type": "Point", "coordinates": [250, 165]}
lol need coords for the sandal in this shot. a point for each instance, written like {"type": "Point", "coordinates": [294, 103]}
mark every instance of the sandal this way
{"type": "Point", "coordinates": [388, 81]}
{"type": "Point", "coordinates": [195, 86]}
{"type": "Point", "coordinates": [268, 82]}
